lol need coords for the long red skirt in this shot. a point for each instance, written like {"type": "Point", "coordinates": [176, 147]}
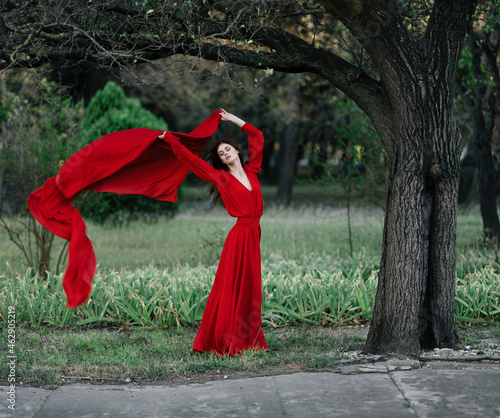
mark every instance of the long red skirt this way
{"type": "Point", "coordinates": [232, 318]}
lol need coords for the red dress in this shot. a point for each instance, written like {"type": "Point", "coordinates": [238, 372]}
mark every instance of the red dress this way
{"type": "Point", "coordinates": [232, 318]}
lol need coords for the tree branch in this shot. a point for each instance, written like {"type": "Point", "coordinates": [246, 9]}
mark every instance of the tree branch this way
{"type": "Point", "coordinates": [449, 20]}
{"type": "Point", "coordinates": [239, 34]}
{"type": "Point", "coordinates": [291, 54]}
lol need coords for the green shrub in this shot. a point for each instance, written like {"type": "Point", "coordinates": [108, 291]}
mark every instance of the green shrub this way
{"type": "Point", "coordinates": [38, 138]}
{"type": "Point", "coordinates": [110, 110]}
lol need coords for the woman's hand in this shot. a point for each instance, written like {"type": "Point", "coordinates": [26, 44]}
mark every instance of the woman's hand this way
{"type": "Point", "coordinates": [226, 116]}
{"type": "Point", "coordinates": [168, 137]}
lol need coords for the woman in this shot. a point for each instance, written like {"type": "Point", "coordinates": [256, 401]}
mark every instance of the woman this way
{"type": "Point", "coordinates": [232, 319]}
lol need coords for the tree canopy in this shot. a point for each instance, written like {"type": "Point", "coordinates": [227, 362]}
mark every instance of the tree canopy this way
{"type": "Point", "coordinates": [284, 35]}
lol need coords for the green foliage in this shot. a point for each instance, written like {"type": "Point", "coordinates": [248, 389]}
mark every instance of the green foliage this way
{"type": "Point", "coordinates": [478, 296]}
{"type": "Point", "coordinates": [467, 80]}
{"type": "Point", "coordinates": [360, 159]}
{"type": "Point", "coordinates": [466, 77]}
{"type": "Point", "coordinates": [110, 110]}
{"type": "Point", "coordinates": [488, 15]}
{"type": "Point", "coordinates": [208, 250]}
{"type": "Point", "coordinates": [362, 153]}
{"type": "Point", "coordinates": [313, 291]}
{"type": "Point", "coordinates": [37, 140]}
{"type": "Point", "coordinates": [6, 109]}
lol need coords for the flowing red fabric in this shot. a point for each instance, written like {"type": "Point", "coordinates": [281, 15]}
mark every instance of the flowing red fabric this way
{"type": "Point", "coordinates": [232, 318]}
{"type": "Point", "coordinates": [134, 161]}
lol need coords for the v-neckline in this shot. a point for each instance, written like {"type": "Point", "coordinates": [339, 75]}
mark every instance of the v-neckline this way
{"type": "Point", "coordinates": [239, 181]}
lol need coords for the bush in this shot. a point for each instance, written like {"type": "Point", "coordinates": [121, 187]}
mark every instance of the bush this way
{"type": "Point", "coordinates": [110, 110]}
{"type": "Point", "coordinates": [38, 139]}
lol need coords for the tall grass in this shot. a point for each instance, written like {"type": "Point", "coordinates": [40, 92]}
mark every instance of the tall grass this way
{"type": "Point", "coordinates": [316, 290]}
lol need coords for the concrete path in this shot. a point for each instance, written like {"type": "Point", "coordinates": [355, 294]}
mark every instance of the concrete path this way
{"type": "Point", "coordinates": [394, 388]}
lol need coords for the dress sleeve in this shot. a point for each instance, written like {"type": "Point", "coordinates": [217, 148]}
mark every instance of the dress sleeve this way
{"type": "Point", "coordinates": [255, 145]}
{"type": "Point", "coordinates": [196, 164]}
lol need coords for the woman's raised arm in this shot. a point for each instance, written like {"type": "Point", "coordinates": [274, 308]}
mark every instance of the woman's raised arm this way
{"type": "Point", "coordinates": [255, 140]}
{"type": "Point", "coordinates": [196, 164]}
{"type": "Point", "coordinates": [226, 116]}
{"type": "Point", "coordinates": [255, 146]}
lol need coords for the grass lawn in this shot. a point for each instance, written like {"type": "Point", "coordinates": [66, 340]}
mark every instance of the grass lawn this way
{"type": "Point", "coordinates": [53, 357]}
{"type": "Point", "coordinates": [196, 237]}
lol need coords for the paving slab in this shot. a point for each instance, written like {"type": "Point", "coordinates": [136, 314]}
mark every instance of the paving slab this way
{"type": "Point", "coordinates": [28, 401]}
{"type": "Point", "coordinates": [394, 388]}
{"type": "Point", "coordinates": [451, 393]}
{"type": "Point", "coordinates": [296, 395]}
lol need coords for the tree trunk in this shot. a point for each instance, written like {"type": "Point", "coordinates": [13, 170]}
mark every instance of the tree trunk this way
{"type": "Point", "coordinates": [482, 138]}
{"type": "Point", "coordinates": [322, 156]}
{"type": "Point", "coordinates": [414, 306]}
{"type": "Point", "coordinates": [415, 300]}
{"type": "Point", "coordinates": [487, 177]}
{"type": "Point", "coordinates": [288, 154]}
{"type": "Point", "coordinates": [417, 268]}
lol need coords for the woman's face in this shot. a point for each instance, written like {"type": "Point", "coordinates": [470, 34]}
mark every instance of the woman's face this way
{"type": "Point", "coordinates": [227, 153]}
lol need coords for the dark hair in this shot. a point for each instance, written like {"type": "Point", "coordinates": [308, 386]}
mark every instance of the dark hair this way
{"type": "Point", "coordinates": [213, 158]}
